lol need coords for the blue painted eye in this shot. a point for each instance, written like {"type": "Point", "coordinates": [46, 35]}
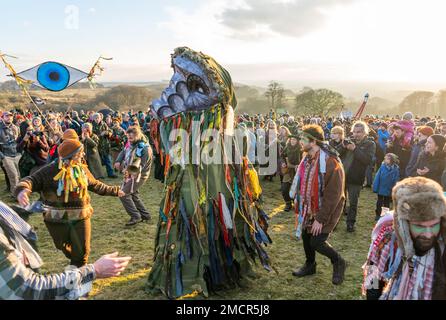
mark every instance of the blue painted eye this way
{"type": "Point", "coordinates": [53, 76]}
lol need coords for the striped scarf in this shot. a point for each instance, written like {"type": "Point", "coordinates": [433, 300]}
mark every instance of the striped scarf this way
{"type": "Point", "coordinates": [310, 183]}
{"type": "Point", "coordinates": [415, 281]}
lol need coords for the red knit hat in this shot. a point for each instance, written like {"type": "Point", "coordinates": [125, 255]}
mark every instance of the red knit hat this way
{"type": "Point", "coordinates": [426, 130]}
{"type": "Point", "coordinates": [69, 148]}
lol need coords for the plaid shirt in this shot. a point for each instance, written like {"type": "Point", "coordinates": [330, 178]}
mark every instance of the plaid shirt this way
{"type": "Point", "coordinates": [19, 282]}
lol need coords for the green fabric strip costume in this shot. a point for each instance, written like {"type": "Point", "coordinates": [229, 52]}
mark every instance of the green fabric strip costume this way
{"type": "Point", "coordinates": [212, 226]}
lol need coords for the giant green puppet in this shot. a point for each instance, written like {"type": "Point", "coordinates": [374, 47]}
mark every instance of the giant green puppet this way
{"type": "Point", "coordinates": [211, 227]}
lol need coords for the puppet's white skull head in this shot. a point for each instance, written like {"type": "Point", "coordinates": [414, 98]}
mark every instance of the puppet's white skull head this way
{"type": "Point", "coordinates": [198, 83]}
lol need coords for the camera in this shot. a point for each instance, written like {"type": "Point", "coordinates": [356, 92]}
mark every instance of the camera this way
{"type": "Point", "coordinates": [348, 141]}
{"type": "Point", "coordinates": [37, 133]}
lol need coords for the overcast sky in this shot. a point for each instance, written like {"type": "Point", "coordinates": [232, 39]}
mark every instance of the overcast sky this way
{"type": "Point", "coordinates": [300, 41]}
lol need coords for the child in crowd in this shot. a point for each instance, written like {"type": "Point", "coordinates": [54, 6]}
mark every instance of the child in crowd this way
{"type": "Point", "coordinates": [386, 178]}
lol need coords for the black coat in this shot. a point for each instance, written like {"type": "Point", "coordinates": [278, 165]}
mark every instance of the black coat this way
{"type": "Point", "coordinates": [435, 164]}
{"type": "Point", "coordinates": [362, 158]}
{"type": "Point", "coordinates": [403, 155]}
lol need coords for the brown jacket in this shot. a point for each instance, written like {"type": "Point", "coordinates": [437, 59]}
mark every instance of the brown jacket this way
{"type": "Point", "coordinates": [56, 209]}
{"type": "Point", "coordinates": [333, 197]}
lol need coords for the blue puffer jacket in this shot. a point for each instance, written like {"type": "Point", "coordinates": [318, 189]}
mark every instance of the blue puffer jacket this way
{"type": "Point", "coordinates": [385, 179]}
{"type": "Point", "coordinates": [383, 136]}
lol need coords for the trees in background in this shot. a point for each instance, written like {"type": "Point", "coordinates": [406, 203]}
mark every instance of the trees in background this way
{"type": "Point", "coordinates": [138, 98]}
{"type": "Point", "coordinates": [275, 94]}
{"type": "Point", "coordinates": [321, 102]}
{"type": "Point", "coordinates": [416, 102]}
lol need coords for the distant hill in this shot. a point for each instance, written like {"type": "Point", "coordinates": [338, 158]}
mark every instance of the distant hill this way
{"type": "Point", "coordinates": [425, 103]}
{"type": "Point", "coordinates": [9, 86]}
{"type": "Point", "coordinates": [12, 86]}
{"type": "Point", "coordinates": [251, 99]}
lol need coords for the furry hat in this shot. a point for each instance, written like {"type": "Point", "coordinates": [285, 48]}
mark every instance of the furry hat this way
{"type": "Point", "coordinates": [416, 199]}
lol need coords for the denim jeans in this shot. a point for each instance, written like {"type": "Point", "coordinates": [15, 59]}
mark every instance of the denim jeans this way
{"type": "Point", "coordinates": [107, 162]}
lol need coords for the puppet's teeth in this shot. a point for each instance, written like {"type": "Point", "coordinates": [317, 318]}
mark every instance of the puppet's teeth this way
{"type": "Point", "coordinates": [177, 103]}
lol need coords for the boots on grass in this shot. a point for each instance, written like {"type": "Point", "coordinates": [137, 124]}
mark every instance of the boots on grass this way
{"type": "Point", "coordinates": [307, 270]}
{"type": "Point", "coordinates": [339, 271]}
{"type": "Point", "coordinates": [133, 221]}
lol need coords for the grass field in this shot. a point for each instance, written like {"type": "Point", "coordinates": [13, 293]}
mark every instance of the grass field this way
{"type": "Point", "coordinates": [109, 234]}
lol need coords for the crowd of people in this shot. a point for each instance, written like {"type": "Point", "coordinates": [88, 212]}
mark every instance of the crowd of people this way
{"type": "Point", "coordinates": [376, 152]}
{"type": "Point", "coordinates": [323, 164]}
{"type": "Point", "coordinates": [323, 161]}
{"type": "Point", "coordinates": [30, 141]}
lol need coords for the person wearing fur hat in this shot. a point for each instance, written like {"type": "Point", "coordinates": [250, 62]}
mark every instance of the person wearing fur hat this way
{"type": "Point", "coordinates": [63, 186]}
{"type": "Point", "coordinates": [406, 260]}
{"type": "Point", "coordinates": [422, 134]}
{"type": "Point", "coordinates": [431, 163]}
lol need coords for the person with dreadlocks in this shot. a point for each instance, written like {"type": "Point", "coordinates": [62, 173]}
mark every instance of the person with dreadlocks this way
{"type": "Point", "coordinates": [318, 190]}
{"type": "Point", "coordinates": [64, 187]}
{"type": "Point", "coordinates": [407, 256]}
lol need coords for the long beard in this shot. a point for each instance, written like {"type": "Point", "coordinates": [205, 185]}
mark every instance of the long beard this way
{"type": "Point", "coordinates": [422, 245]}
